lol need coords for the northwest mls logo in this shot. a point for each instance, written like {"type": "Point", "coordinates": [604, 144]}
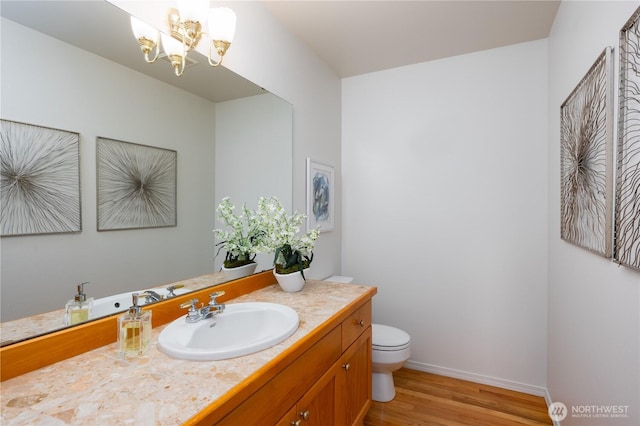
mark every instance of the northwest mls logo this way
{"type": "Point", "coordinates": [558, 411]}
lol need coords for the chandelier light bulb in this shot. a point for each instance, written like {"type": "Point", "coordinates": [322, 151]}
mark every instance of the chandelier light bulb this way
{"type": "Point", "coordinates": [193, 10]}
{"type": "Point", "coordinates": [143, 30]}
{"type": "Point", "coordinates": [222, 24]}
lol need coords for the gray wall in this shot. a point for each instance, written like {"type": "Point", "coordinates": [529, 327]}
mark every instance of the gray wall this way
{"type": "Point", "coordinates": [67, 88]}
{"type": "Point", "coordinates": [253, 156]}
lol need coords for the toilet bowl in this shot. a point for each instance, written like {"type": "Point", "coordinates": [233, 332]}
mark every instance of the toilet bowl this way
{"type": "Point", "coordinates": [390, 349]}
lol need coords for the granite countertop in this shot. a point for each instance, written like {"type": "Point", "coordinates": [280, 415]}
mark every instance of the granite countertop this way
{"type": "Point", "coordinates": [100, 388]}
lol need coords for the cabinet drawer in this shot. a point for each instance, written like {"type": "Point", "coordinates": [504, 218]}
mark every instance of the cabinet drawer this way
{"type": "Point", "coordinates": [353, 326]}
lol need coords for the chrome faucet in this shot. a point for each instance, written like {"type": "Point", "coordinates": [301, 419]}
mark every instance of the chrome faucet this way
{"type": "Point", "coordinates": [212, 309]}
{"type": "Point", "coordinates": [151, 296]}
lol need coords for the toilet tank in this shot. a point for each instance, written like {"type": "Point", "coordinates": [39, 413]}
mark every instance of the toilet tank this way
{"type": "Point", "coordinates": [339, 279]}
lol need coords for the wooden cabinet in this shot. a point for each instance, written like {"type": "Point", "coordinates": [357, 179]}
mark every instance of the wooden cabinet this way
{"type": "Point", "coordinates": [354, 394]}
{"type": "Point", "coordinates": [343, 395]}
{"type": "Point", "coordinates": [328, 385]}
{"type": "Point", "coordinates": [355, 383]}
{"type": "Point", "coordinates": [269, 404]}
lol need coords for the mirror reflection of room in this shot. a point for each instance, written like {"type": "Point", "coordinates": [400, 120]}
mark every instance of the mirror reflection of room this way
{"type": "Point", "coordinates": [221, 127]}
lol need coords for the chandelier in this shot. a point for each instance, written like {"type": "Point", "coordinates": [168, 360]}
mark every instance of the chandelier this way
{"type": "Point", "coordinates": [185, 25]}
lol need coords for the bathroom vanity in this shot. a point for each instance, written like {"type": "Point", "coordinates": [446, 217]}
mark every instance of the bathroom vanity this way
{"type": "Point", "coordinates": [321, 375]}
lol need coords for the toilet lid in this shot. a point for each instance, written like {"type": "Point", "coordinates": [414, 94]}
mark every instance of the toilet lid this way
{"type": "Point", "coordinates": [386, 338]}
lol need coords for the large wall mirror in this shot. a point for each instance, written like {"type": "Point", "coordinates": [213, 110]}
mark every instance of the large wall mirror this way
{"type": "Point", "coordinates": [75, 66]}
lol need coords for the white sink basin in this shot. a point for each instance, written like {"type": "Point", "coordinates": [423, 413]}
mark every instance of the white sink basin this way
{"type": "Point", "coordinates": [120, 302]}
{"type": "Point", "coordinates": [242, 329]}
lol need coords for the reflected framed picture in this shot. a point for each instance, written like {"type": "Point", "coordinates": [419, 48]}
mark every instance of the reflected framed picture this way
{"type": "Point", "coordinates": [136, 185]}
{"type": "Point", "coordinates": [320, 196]}
{"type": "Point", "coordinates": [40, 180]}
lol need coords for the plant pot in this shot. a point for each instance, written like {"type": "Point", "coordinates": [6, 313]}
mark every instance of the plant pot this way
{"type": "Point", "coordinates": [239, 272]}
{"type": "Point", "coordinates": [290, 283]}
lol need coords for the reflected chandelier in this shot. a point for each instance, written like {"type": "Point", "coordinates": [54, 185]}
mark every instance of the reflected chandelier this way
{"type": "Point", "coordinates": [185, 25]}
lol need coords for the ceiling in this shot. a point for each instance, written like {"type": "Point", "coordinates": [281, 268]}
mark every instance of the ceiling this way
{"type": "Point", "coordinates": [101, 28]}
{"type": "Point", "coordinates": [359, 36]}
{"type": "Point", "coordinates": [352, 37]}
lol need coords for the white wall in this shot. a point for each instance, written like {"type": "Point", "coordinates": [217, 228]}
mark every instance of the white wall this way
{"type": "Point", "coordinates": [84, 93]}
{"type": "Point", "coordinates": [594, 305]}
{"type": "Point", "coordinates": [444, 209]}
{"type": "Point", "coordinates": [257, 132]}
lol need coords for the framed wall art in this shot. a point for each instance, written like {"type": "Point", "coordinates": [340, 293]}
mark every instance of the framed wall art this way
{"type": "Point", "coordinates": [626, 246]}
{"type": "Point", "coordinates": [136, 185]}
{"type": "Point", "coordinates": [40, 180]}
{"type": "Point", "coordinates": [586, 165]}
{"type": "Point", "coordinates": [320, 196]}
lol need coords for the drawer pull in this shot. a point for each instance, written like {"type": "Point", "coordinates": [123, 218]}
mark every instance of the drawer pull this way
{"type": "Point", "coordinates": [346, 366]}
{"type": "Point", "coordinates": [304, 415]}
{"type": "Point", "coordinates": [296, 423]}
{"type": "Point", "coordinates": [361, 323]}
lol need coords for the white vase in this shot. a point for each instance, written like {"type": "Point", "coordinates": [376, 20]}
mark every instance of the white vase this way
{"type": "Point", "coordinates": [239, 272]}
{"type": "Point", "coordinates": [290, 283]}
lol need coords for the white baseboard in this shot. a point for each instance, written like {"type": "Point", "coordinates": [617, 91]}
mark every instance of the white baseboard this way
{"type": "Point", "coordinates": [549, 401]}
{"type": "Point", "coordinates": [479, 378]}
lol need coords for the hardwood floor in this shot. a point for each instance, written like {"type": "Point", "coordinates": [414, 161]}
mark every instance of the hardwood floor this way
{"type": "Point", "coordinates": [429, 399]}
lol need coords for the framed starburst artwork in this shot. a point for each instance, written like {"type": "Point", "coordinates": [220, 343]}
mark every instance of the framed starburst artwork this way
{"type": "Point", "coordinates": [626, 249]}
{"type": "Point", "coordinates": [586, 152]}
{"type": "Point", "coordinates": [39, 180]}
{"type": "Point", "coordinates": [136, 185]}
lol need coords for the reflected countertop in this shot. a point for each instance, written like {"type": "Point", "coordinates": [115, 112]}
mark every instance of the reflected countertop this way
{"type": "Point", "coordinates": [36, 325]}
{"type": "Point", "coordinates": [100, 388]}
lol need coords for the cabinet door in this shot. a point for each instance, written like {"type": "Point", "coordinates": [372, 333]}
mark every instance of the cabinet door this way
{"type": "Point", "coordinates": [291, 418]}
{"type": "Point", "coordinates": [355, 384]}
{"type": "Point", "coordinates": [318, 406]}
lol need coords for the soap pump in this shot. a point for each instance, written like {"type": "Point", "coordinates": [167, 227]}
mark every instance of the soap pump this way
{"type": "Point", "coordinates": [78, 309]}
{"type": "Point", "coordinates": [134, 329]}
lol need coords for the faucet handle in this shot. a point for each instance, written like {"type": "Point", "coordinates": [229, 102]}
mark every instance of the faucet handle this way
{"type": "Point", "coordinates": [215, 295]}
{"type": "Point", "coordinates": [173, 288]}
{"type": "Point", "coordinates": [194, 314]}
{"type": "Point", "coordinates": [189, 303]}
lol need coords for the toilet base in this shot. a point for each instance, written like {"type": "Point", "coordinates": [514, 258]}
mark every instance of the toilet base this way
{"type": "Point", "coordinates": [383, 387]}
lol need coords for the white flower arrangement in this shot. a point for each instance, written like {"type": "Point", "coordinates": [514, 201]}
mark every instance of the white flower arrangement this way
{"type": "Point", "coordinates": [244, 236]}
{"type": "Point", "coordinates": [293, 252]}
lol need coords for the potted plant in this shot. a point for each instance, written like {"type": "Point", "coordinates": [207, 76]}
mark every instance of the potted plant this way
{"type": "Point", "coordinates": [242, 239]}
{"type": "Point", "coordinates": [293, 252]}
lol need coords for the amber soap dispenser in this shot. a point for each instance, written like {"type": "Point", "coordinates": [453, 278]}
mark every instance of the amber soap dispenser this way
{"type": "Point", "coordinates": [134, 330]}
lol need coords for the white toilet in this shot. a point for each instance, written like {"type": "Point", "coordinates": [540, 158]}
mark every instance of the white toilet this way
{"type": "Point", "coordinates": [390, 350]}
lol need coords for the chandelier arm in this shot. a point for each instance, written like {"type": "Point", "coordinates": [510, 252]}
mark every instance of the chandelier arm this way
{"type": "Point", "coordinates": [213, 64]}
{"type": "Point", "coordinates": [178, 64]}
{"type": "Point", "coordinates": [183, 57]}
{"type": "Point", "coordinates": [146, 46]}
{"type": "Point", "coordinates": [155, 56]}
